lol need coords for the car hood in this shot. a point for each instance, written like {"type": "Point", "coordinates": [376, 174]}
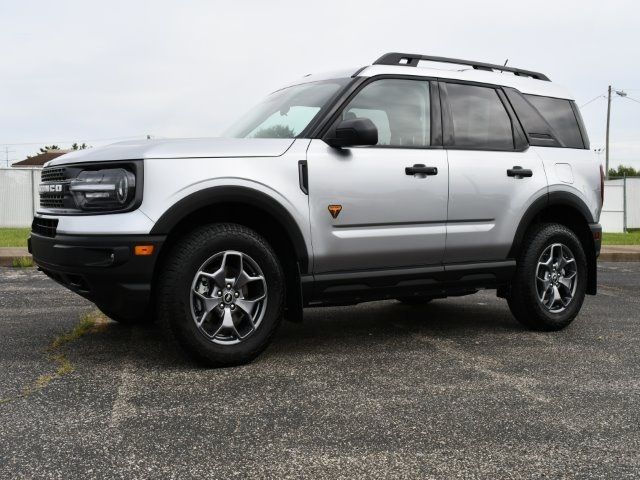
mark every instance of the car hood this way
{"type": "Point", "coordinates": [179, 148]}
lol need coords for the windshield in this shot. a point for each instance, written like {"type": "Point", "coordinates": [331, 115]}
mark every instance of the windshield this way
{"type": "Point", "coordinates": [287, 112]}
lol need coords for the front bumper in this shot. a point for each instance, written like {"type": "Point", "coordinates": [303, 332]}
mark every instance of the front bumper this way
{"type": "Point", "coordinates": [103, 269]}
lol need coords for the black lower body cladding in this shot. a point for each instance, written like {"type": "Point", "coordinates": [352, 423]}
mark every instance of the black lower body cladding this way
{"type": "Point", "coordinates": [103, 269]}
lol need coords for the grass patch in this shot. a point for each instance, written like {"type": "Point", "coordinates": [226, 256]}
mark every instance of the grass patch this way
{"type": "Point", "coordinates": [89, 323]}
{"type": "Point", "coordinates": [83, 327]}
{"type": "Point", "coordinates": [629, 238]}
{"type": "Point", "coordinates": [22, 262]}
{"type": "Point", "coordinates": [14, 237]}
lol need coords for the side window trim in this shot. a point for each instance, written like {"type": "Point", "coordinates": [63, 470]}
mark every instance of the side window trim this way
{"type": "Point", "coordinates": [520, 142]}
{"type": "Point", "coordinates": [583, 131]}
{"type": "Point", "coordinates": [519, 138]}
{"type": "Point", "coordinates": [435, 116]}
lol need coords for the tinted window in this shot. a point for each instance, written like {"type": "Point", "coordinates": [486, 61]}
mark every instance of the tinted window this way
{"type": "Point", "coordinates": [559, 114]}
{"type": "Point", "coordinates": [479, 118]}
{"type": "Point", "coordinates": [400, 109]}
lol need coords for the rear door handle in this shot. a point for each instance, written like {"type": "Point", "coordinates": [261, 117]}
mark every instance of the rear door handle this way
{"type": "Point", "coordinates": [519, 172]}
{"type": "Point", "coordinates": [420, 168]}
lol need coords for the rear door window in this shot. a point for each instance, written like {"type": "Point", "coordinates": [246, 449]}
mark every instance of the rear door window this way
{"type": "Point", "coordinates": [479, 118]}
{"type": "Point", "coordinates": [559, 114]}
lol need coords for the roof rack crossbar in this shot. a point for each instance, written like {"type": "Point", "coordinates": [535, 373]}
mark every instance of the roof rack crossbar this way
{"type": "Point", "coordinates": [411, 60]}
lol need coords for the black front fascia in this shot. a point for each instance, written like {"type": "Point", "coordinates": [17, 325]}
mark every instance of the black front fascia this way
{"type": "Point", "coordinates": [103, 269]}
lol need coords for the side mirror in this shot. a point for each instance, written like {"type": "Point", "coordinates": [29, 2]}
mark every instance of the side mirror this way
{"type": "Point", "coordinates": [356, 132]}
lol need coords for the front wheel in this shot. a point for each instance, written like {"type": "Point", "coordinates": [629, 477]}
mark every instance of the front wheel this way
{"type": "Point", "coordinates": [220, 294]}
{"type": "Point", "coordinates": [551, 278]}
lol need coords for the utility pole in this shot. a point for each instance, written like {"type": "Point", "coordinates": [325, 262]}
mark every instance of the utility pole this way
{"type": "Point", "coordinates": [6, 153]}
{"type": "Point", "coordinates": [607, 140]}
{"type": "Point", "coordinates": [620, 93]}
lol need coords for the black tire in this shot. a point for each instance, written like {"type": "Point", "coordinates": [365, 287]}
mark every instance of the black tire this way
{"type": "Point", "coordinates": [417, 300]}
{"type": "Point", "coordinates": [523, 299]}
{"type": "Point", "coordinates": [174, 292]}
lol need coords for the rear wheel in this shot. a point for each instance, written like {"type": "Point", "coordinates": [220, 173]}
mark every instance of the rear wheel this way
{"type": "Point", "coordinates": [220, 294]}
{"type": "Point", "coordinates": [551, 278]}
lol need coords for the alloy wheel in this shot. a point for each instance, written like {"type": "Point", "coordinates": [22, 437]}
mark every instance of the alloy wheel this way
{"type": "Point", "coordinates": [556, 277]}
{"type": "Point", "coordinates": [228, 297]}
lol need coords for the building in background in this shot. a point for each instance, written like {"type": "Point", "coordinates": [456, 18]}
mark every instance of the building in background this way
{"type": "Point", "coordinates": [40, 159]}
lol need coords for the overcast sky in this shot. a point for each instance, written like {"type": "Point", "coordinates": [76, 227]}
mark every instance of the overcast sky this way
{"type": "Point", "coordinates": [88, 71]}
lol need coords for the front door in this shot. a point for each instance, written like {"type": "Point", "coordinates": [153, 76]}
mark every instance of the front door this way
{"type": "Point", "coordinates": [367, 210]}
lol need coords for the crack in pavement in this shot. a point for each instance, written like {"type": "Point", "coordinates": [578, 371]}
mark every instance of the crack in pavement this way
{"type": "Point", "coordinates": [122, 407]}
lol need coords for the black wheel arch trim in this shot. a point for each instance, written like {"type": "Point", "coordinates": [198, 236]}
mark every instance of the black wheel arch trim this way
{"type": "Point", "coordinates": [559, 198]}
{"type": "Point", "coordinates": [551, 198]}
{"type": "Point", "coordinates": [235, 194]}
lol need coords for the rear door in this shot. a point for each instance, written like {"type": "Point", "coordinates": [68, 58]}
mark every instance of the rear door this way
{"type": "Point", "coordinates": [493, 175]}
{"type": "Point", "coordinates": [367, 211]}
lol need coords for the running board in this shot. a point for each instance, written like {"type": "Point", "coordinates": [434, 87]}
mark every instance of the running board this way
{"type": "Point", "coordinates": [350, 287]}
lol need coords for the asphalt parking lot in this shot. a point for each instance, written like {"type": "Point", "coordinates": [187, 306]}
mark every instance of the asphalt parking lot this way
{"type": "Point", "coordinates": [454, 389]}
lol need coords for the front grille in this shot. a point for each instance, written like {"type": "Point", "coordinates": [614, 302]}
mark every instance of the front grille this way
{"type": "Point", "coordinates": [44, 226]}
{"type": "Point", "coordinates": [51, 200]}
{"type": "Point", "coordinates": [53, 174]}
{"type": "Point", "coordinates": [55, 177]}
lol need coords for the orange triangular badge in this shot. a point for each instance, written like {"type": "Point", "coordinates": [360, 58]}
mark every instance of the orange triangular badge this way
{"type": "Point", "coordinates": [335, 210]}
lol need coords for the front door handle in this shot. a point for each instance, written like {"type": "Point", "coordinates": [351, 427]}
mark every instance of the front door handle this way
{"type": "Point", "coordinates": [519, 172]}
{"type": "Point", "coordinates": [420, 168]}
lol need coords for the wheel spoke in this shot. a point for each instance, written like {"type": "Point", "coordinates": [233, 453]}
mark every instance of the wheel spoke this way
{"type": "Point", "coordinates": [547, 296]}
{"type": "Point", "coordinates": [204, 317]}
{"type": "Point", "coordinates": [207, 303]}
{"type": "Point", "coordinates": [217, 277]}
{"type": "Point", "coordinates": [244, 279]}
{"type": "Point", "coordinates": [228, 324]}
{"type": "Point", "coordinates": [566, 282]}
{"type": "Point", "coordinates": [555, 296]}
{"type": "Point", "coordinates": [223, 275]}
{"type": "Point", "coordinates": [248, 306]}
{"type": "Point", "coordinates": [546, 264]}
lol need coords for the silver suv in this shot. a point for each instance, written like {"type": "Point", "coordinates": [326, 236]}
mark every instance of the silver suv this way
{"type": "Point", "coordinates": [405, 179]}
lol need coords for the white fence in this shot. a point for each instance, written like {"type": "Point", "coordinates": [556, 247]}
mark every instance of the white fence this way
{"type": "Point", "coordinates": [621, 209]}
{"type": "Point", "coordinates": [18, 196]}
{"type": "Point", "coordinates": [19, 200]}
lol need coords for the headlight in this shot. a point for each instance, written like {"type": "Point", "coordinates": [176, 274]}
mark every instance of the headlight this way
{"type": "Point", "coordinates": [110, 189]}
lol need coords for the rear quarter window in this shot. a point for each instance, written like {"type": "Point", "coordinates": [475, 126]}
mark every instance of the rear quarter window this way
{"type": "Point", "coordinates": [559, 114]}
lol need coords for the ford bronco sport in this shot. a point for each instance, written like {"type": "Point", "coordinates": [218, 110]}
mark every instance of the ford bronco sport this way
{"type": "Point", "coordinates": [393, 181]}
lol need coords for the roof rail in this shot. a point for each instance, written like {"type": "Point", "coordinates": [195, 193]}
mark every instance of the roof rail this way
{"type": "Point", "coordinates": [411, 60]}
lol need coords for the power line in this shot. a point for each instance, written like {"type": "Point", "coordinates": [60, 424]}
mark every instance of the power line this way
{"type": "Point", "coordinates": [632, 99]}
{"type": "Point", "coordinates": [593, 100]}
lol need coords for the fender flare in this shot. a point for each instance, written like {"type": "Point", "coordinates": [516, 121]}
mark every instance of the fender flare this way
{"type": "Point", "coordinates": [235, 194]}
{"type": "Point", "coordinates": [551, 198]}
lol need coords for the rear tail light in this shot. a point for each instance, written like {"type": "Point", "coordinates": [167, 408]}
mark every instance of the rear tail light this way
{"type": "Point", "coordinates": [601, 185]}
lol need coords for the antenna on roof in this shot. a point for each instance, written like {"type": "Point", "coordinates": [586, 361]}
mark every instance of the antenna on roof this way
{"type": "Point", "coordinates": [505, 62]}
